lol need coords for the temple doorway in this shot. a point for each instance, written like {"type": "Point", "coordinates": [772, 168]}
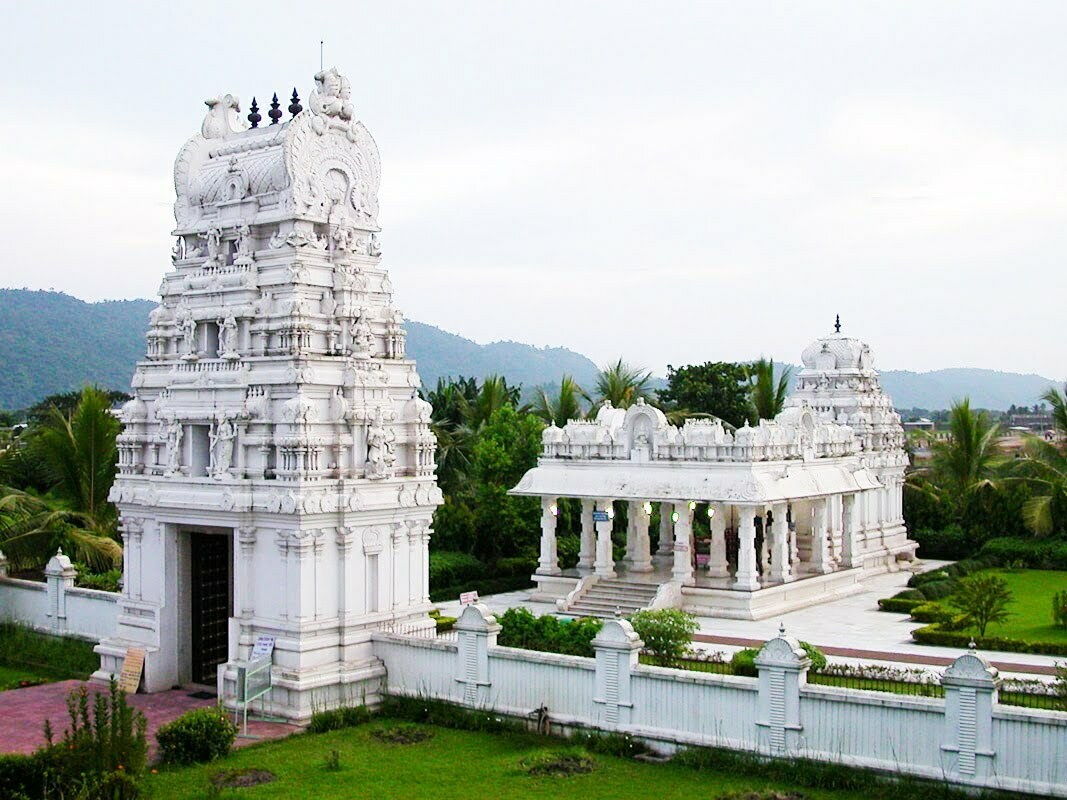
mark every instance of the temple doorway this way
{"type": "Point", "coordinates": [211, 596]}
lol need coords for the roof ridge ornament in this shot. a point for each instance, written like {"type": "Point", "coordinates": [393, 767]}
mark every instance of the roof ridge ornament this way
{"type": "Point", "coordinates": [837, 324]}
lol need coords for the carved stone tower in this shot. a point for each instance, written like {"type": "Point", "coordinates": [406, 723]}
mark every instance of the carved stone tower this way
{"type": "Point", "coordinates": [276, 473]}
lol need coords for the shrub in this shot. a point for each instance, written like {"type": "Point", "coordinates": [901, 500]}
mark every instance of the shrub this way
{"type": "Point", "coordinates": [982, 598]}
{"type": "Point", "coordinates": [937, 634]}
{"type": "Point", "coordinates": [1059, 609]}
{"type": "Point", "coordinates": [950, 542]}
{"type": "Point", "coordinates": [570, 761]}
{"type": "Point", "coordinates": [445, 715]}
{"type": "Point", "coordinates": [818, 660]}
{"type": "Point", "coordinates": [921, 578]}
{"type": "Point", "coordinates": [514, 566]}
{"type": "Point", "coordinates": [448, 568]}
{"type": "Point", "coordinates": [622, 745]}
{"type": "Point", "coordinates": [444, 623]}
{"type": "Point", "coordinates": [743, 662]}
{"type": "Point", "coordinates": [520, 628]}
{"type": "Point", "coordinates": [104, 581]}
{"type": "Point", "coordinates": [931, 612]}
{"type": "Point", "coordinates": [1048, 554]}
{"type": "Point", "coordinates": [21, 775]}
{"type": "Point", "coordinates": [1061, 684]}
{"type": "Point", "coordinates": [667, 633]}
{"type": "Point", "coordinates": [939, 590]}
{"type": "Point", "coordinates": [337, 718]}
{"type": "Point", "coordinates": [197, 736]}
{"type": "Point", "coordinates": [899, 605]}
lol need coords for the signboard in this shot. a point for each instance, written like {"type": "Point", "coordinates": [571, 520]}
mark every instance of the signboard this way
{"type": "Point", "coordinates": [132, 664]}
{"type": "Point", "coordinates": [600, 516]}
{"type": "Point", "coordinates": [264, 648]}
{"type": "Point", "coordinates": [468, 598]}
{"type": "Point", "coordinates": [253, 680]}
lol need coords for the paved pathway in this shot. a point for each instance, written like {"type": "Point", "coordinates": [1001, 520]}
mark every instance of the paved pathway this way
{"type": "Point", "coordinates": [23, 712]}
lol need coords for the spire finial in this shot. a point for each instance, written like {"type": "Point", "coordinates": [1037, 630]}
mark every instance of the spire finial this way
{"type": "Point", "coordinates": [255, 116]}
{"type": "Point", "coordinates": [781, 628]}
{"type": "Point", "coordinates": [275, 112]}
{"type": "Point", "coordinates": [295, 107]}
{"type": "Point", "coordinates": [837, 324]}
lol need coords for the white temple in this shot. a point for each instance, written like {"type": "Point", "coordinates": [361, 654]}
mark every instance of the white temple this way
{"type": "Point", "coordinates": [276, 472]}
{"type": "Point", "coordinates": [799, 508]}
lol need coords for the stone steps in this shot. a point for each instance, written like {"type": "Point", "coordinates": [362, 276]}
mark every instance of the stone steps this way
{"type": "Point", "coordinates": [607, 598]}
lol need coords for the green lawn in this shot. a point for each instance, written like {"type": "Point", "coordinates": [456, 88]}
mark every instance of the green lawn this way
{"type": "Point", "coordinates": [40, 656]}
{"type": "Point", "coordinates": [13, 677]}
{"type": "Point", "coordinates": [453, 764]}
{"type": "Point", "coordinates": [1031, 613]}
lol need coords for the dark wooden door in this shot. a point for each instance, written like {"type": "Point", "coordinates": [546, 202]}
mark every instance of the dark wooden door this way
{"type": "Point", "coordinates": [211, 604]}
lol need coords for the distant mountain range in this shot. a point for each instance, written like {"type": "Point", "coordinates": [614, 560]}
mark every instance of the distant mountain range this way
{"type": "Point", "coordinates": [52, 342]}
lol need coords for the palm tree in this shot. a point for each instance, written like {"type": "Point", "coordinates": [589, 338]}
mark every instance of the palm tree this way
{"type": "Point", "coordinates": [493, 394]}
{"type": "Point", "coordinates": [1043, 468]}
{"type": "Point", "coordinates": [767, 394]}
{"type": "Point", "coordinates": [622, 385]}
{"type": "Point", "coordinates": [77, 454]}
{"type": "Point", "coordinates": [564, 406]}
{"type": "Point", "coordinates": [965, 461]}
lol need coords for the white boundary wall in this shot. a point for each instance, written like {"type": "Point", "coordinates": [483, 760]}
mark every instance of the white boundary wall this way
{"type": "Point", "coordinates": [55, 606]}
{"type": "Point", "coordinates": [966, 738]}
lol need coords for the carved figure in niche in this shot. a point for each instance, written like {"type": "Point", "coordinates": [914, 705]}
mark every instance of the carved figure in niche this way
{"type": "Point", "coordinates": [373, 248]}
{"type": "Point", "coordinates": [187, 326]}
{"type": "Point", "coordinates": [332, 96]}
{"type": "Point", "coordinates": [244, 245]}
{"type": "Point", "coordinates": [178, 251]}
{"type": "Point", "coordinates": [380, 447]}
{"type": "Point", "coordinates": [228, 338]}
{"type": "Point", "coordinates": [341, 236]}
{"type": "Point", "coordinates": [264, 305]}
{"type": "Point", "coordinates": [214, 246]}
{"type": "Point", "coordinates": [174, 447]}
{"type": "Point", "coordinates": [387, 285]}
{"type": "Point", "coordinates": [222, 439]}
{"type": "Point", "coordinates": [362, 338]}
{"type": "Point", "coordinates": [328, 305]}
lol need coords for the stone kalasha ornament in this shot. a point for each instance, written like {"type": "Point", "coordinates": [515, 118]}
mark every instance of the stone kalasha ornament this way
{"type": "Point", "coordinates": [275, 399]}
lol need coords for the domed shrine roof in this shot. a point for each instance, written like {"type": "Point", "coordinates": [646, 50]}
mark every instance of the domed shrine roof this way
{"type": "Point", "coordinates": [837, 352]}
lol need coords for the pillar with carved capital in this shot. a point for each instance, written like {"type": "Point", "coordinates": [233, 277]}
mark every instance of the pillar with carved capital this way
{"type": "Point", "coordinates": [641, 556]}
{"type": "Point", "coordinates": [346, 573]}
{"type": "Point", "coordinates": [666, 530]}
{"type": "Point", "coordinates": [747, 578]}
{"type": "Point", "coordinates": [682, 569]}
{"type": "Point", "coordinates": [848, 532]}
{"type": "Point", "coordinates": [132, 530]}
{"type": "Point", "coordinates": [548, 563]}
{"type": "Point", "coordinates": [244, 589]}
{"type": "Point", "coordinates": [605, 562]}
{"type": "Point", "coordinates": [820, 551]}
{"type": "Point", "coordinates": [424, 552]}
{"type": "Point", "coordinates": [401, 573]}
{"type": "Point", "coordinates": [718, 566]}
{"type": "Point", "coordinates": [779, 535]}
{"type": "Point", "coordinates": [301, 573]}
{"type": "Point", "coordinates": [587, 544]}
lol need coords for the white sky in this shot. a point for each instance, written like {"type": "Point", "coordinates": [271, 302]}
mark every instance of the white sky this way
{"type": "Point", "coordinates": [669, 182]}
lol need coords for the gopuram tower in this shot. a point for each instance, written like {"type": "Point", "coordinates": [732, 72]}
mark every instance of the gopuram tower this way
{"type": "Point", "coordinates": [276, 467]}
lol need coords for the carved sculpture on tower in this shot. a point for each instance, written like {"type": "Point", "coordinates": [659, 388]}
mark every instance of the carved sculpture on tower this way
{"type": "Point", "coordinates": [275, 442]}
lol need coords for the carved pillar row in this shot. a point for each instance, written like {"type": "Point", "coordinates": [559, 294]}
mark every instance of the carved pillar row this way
{"type": "Point", "coordinates": [849, 554]}
{"type": "Point", "coordinates": [605, 562]}
{"type": "Point", "coordinates": [779, 535]}
{"type": "Point", "coordinates": [682, 568]}
{"type": "Point", "coordinates": [548, 564]}
{"type": "Point", "coordinates": [747, 578]}
{"type": "Point", "coordinates": [402, 574]}
{"type": "Point", "coordinates": [587, 546]}
{"type": "Point", "coordinates": [244, 587]}
{"type": "Point", "coordinates": [718, 566]}
{"type": "Point", "coordinates": [666, 530]}
{"type": "Point", "coordinates": [641, 558]}
{"type": "Point", "coordinates": [820, 551]}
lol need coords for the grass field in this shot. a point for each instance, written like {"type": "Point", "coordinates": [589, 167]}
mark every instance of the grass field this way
{"type": "Point", "coordinates": [465, 766]}
{"type": "Point", "coordinates": [1031, 613]}
{"type": "Point", "coordinates": [28, 655]}
{"type": "Point", "coordinates": [13, 677]}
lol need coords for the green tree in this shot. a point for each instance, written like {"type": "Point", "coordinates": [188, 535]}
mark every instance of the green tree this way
{"type": "Point", "coordinates": [719, 389]}
{"type": "Point", "coordinates": [667, 633]}
{"type": "Point", "coordinates": [768, 392]}
{"type": "Point", "coordinates": [1043, 468]}
{"type": "Point", "coordinates": [560, 408]}
{"type": "Point", "coordinates": [982, 598]}
{"type": "Point", "coordinates": [622, 384]}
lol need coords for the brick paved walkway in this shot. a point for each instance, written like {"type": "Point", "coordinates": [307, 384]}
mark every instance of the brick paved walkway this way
{"type": "Point", "coordinates": [23, 712]}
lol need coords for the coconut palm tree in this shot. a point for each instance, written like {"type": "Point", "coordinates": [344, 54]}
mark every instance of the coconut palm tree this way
{"type": "Point", "coordinates": [767, 393]}
{"type": "Point", "coordinates": [622, 384]}
{"type": "Point", "coordinates": [566, 405]}
{"type": "Point", "coordinates": [1043, 468]}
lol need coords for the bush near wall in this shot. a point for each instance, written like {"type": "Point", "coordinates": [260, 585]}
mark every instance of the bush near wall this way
{"type": "Point", "coordinates": [196, 737]}
{"type": "Point", "coordinates": [1032, 553]}
{"type": "Point", "coordinates": [936, 634]}
{"type": "Point", "coordinates": [452, 573]}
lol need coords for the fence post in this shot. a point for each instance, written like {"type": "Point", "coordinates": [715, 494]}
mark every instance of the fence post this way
{"type": "Point", "coordinates": [60, 576]}
{"type": "Point", "coordinates": [783, 668]}
{"type": "Point", "coordinates": [476, 631]}
{"type": "Point", "coordinates": [970, 692]}
{"type": "Point", "coordinates": [617, 647]}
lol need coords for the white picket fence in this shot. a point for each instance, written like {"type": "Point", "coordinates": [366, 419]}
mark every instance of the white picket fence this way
{"type": "Point", "coordinates": [967, 737]}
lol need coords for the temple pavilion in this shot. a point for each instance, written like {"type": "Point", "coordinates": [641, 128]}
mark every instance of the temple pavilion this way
{"type": "Point", "coordinates": [798, 509]}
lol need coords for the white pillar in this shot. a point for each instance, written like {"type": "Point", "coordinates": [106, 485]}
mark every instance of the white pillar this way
{"type": "Point", "coordinates": [848, 532]}
{"type": "Point", "coordinates": [780, 571]}
{"type": "Point", "coordinates": [617, 649]}
{"type": "Point", "coordinates": [548, 564]}
{"type": "Point", "coordinates": [971, 687]}
{"type": "Point", "coordinates": [820, 554]}
{"type": "Point", "coordinates": [783, 671]}
{"type": "Point", "coordinates": [587, 547]}
{"type": "Point", "coordinates": [747, 578]}
{"type": "Point", "coordinates": [794, 555]}
{"type": "Point", "coordinates": [765, 545]}
{"type": "Point", "coordinates": [718, 567]}
{"type": "Point", "coordinates": [682, 570]}
{"type": "Point", "coordinates": [666, 530]}
{"type": "Point", "coordinates": [641, 559]}
{"type": "Point", "coordinates": [605, 563]}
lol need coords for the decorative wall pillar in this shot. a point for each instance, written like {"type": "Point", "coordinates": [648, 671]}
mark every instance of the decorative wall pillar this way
{"type": "Point", "coordinates": [666, 530]}
{"type": "Point", "coordinates": [779, 535]}
{"type": "Point", "coordinates": [414, 567]}
{"type": "Point", "coordinates": [476, 631]}
{"type": "Point", "coordinates": [587, 544]}
{"type": "Point", "coordinates": [682, 569]}
{"type": "Point", "coordinates": [820, 553]}
{"type": "Point", "coordinates": [970, 692]}
{"type": "Point", "coordinates": [718, 566]}
{"type": "Point", "coordinates": [746, 578]}
{"type": "Point", "coordinates": [783, 668]}
{"type": "Point", "coordinates": [617, 648]}
{"type": "Point", "coordinates": [402, 574]}
{"type": "Point", "coordinates": [794, 553]}
{"type": "Point", "coordinates": [548, 563]}
{"type": "Point", "coordinates": [765, 545]}
{"type": "Point", "coordinates": [605, 563]}
{"type": "Point", "coordinates": [641, 557]}
{"type": "Point", "coordinates": [347, 577]}
{"type": "Point", "coordinates": [301, 572]}
{"type": "Point", "coordinates": [59, 574]}
{"type": "Point", "coordinates": [424, 561]}
{"type": "Point", "coordinates": [848, 532]}
{"type": "Point", "coordinates": [244, 586]}
{"type": "Point", "coordinates": [132, 534]}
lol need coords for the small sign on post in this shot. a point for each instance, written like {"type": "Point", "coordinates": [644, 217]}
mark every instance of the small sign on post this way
{"type": "Point", "coordinates": [600, 516]}
{"type": "Point", "coordinates": [263, 648]}
{"type": "Point", "coordinates": [132, 664]}
{"type": "Point", "coordinates": [468, 598]}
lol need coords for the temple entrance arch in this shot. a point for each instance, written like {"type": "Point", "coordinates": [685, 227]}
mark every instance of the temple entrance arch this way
{"type": "Point", "coordinates": [208, 601]}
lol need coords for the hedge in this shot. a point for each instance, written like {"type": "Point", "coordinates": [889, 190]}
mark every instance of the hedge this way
{"type": "Point", "coordinates": [1035, 554]}
{"type": "Point", "coordinates": [935, 634]}
{"type": "Point", "coordinates": [448, 568]}
{"type": "Point", "coordinates": [938, 590]}
{"type": "Point", "coordinates": [932, 612]}
{"type": "Point", "coordinates": [900, 605]}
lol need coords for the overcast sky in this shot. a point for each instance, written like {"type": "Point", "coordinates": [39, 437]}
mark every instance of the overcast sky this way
{"type": "Point", "coordinates": [671, 183]}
